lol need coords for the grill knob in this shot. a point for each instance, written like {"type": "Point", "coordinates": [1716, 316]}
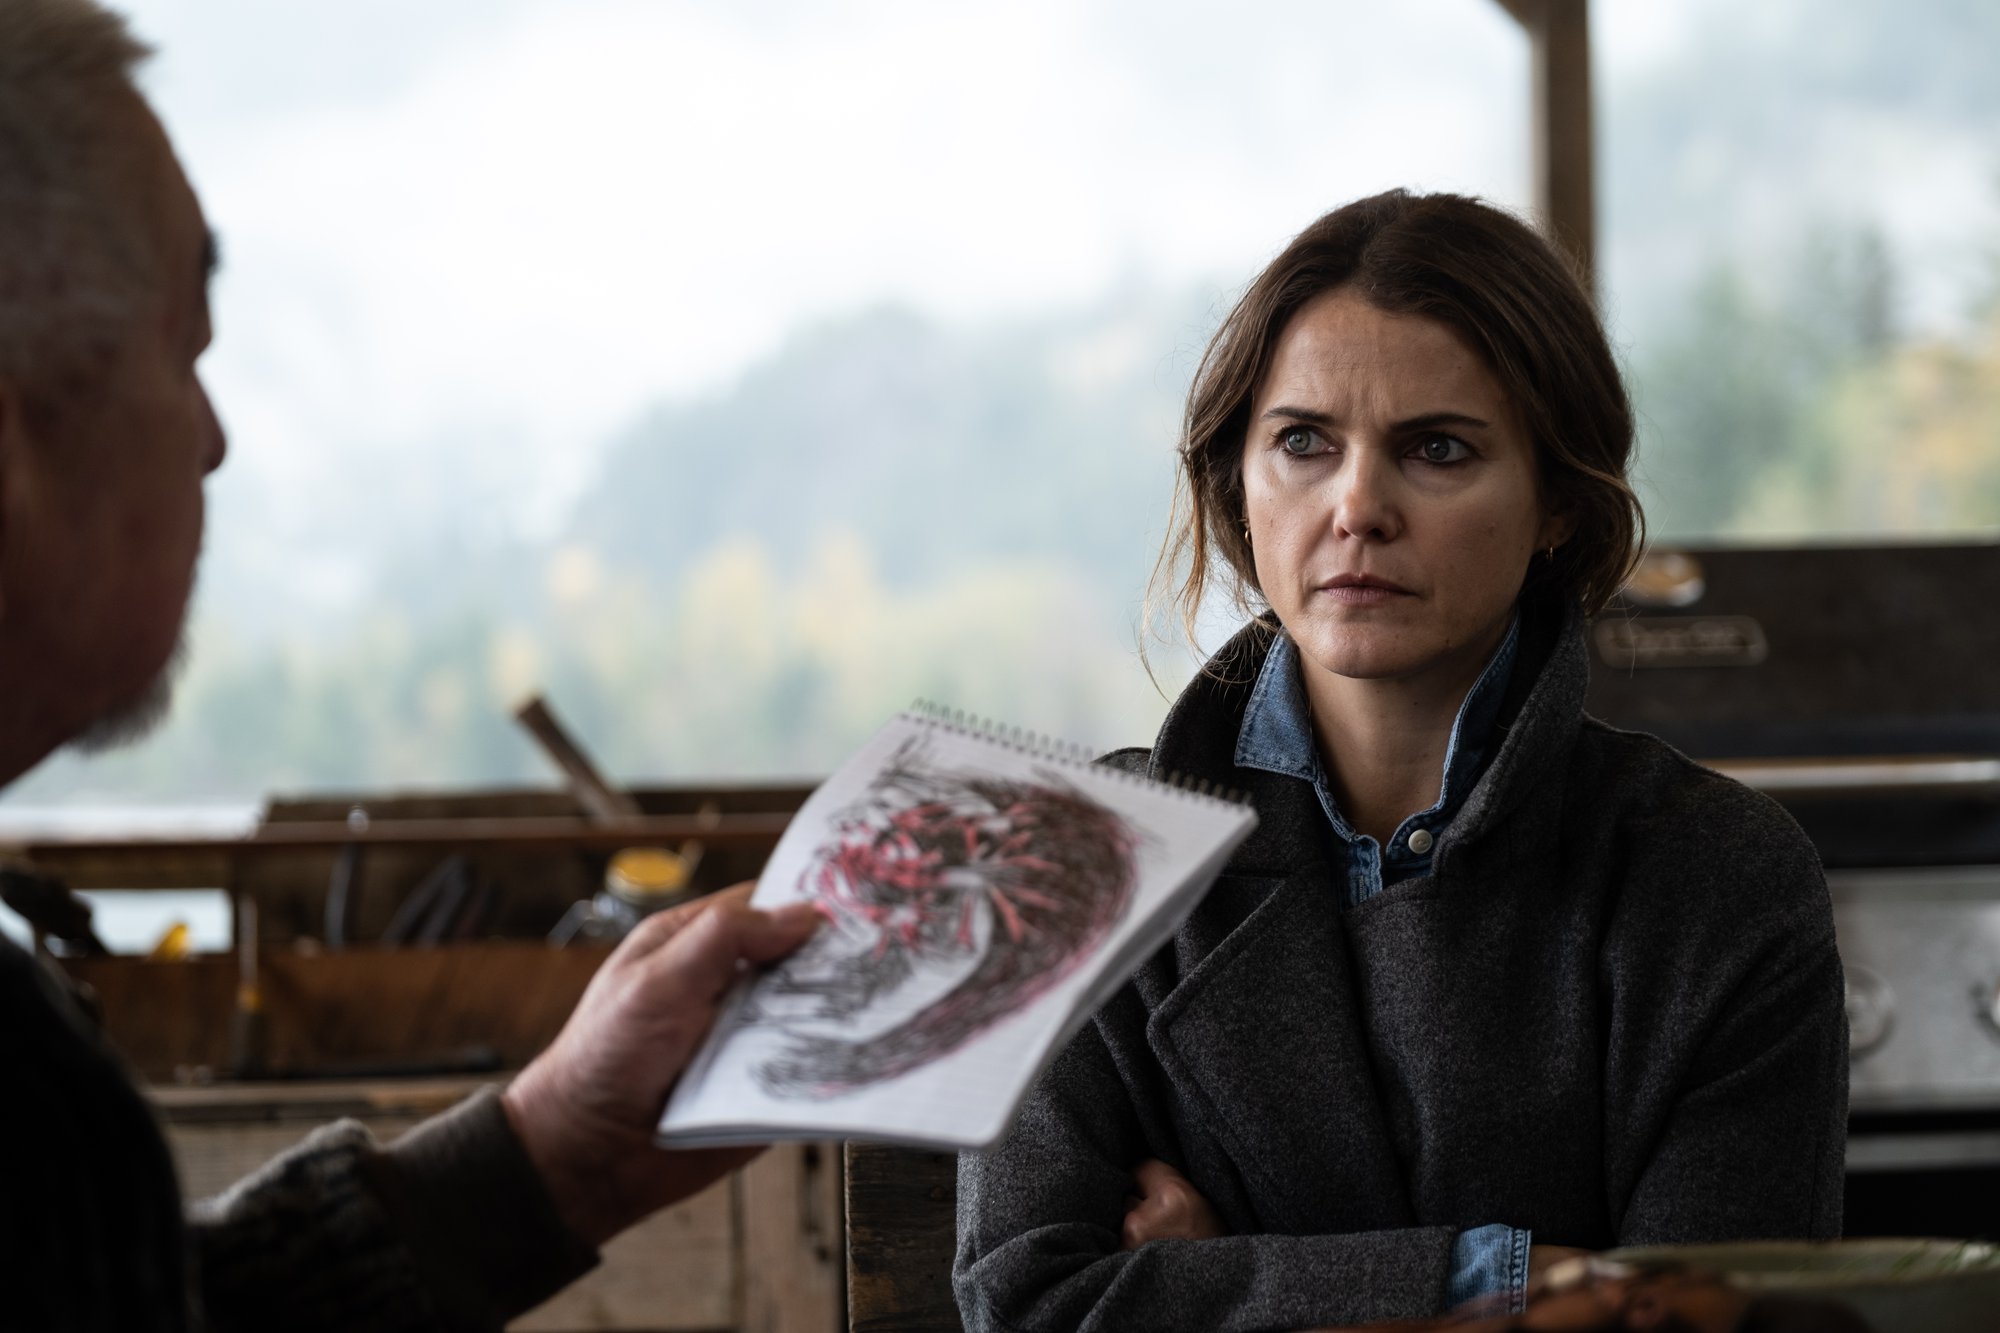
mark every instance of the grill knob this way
{"type": "Point", "coordinates": [1871, 1006]}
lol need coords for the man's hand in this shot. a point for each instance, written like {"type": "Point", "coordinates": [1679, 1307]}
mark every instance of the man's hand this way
{"type": "Point", "coordinates": [586, 1108]}
{"type": "Point", "coordinates": [1167, 1207]}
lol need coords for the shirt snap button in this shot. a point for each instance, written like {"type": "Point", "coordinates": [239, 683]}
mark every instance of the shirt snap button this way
{"type": "Point", "coordinates": [1420, 841]}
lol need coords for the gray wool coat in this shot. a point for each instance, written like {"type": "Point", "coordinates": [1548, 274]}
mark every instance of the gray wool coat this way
{"type": "Point", "coordinates": [1612, 1014]}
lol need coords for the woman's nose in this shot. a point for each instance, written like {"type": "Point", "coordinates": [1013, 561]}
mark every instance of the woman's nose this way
{"type": "Point", "coordinates": [1364, 498]}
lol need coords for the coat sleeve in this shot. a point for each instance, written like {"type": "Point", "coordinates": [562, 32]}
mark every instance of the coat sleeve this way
{"type": "Point", "coordinates": [1039, 1220]}
{"type": "Point", "coordinates": [1752, 1142]}
{"type": "Point", "coordinates": [448, 1228]}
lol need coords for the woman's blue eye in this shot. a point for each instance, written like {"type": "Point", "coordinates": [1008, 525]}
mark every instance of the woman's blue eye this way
{"type": "Point", "coordinates": [1297, 440]}
{"type": "Point", "coordinates": [1443, 449]}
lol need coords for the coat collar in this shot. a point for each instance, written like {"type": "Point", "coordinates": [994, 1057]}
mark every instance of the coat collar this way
{"type": "Point", "coordinates": [1538, 724]}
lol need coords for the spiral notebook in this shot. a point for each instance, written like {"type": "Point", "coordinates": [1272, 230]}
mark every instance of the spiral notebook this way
{"type": "Point", "coordinates": [984, 892]}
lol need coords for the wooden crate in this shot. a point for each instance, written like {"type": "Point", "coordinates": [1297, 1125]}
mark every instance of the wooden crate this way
{"type": "Point", "coordinates": [420, 1010]}
{"type": "Point", "coordinates": [533, 881]}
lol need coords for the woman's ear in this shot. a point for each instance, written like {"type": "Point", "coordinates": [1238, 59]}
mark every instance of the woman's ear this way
{"type": "Point", "coordinates": [1558, 526]}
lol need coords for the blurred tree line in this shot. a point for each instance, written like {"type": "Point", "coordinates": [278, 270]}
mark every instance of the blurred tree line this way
{"type": "Point", "coordinates": [1791, 409]}
{"type": "Point", "coordinates": [1802, 232]}
{"type": "Point", "coordinates": [886, 509]}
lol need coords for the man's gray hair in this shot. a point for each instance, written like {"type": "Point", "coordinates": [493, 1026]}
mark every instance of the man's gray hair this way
{"type": "Point", "coordinates": [72, 256]}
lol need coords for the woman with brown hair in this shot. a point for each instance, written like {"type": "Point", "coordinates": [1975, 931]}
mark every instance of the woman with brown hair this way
{"type": "Point", "coordinates": [1492, 981]}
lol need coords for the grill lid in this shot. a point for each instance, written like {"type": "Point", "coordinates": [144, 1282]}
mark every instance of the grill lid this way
{"type": "Point", "coordinates": [1857, 650]}
{"type": "Point", "coordinates": [1858, 684]}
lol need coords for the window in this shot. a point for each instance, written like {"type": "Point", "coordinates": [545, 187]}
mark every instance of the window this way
{"type": "Point", "coordinates": [734, 373]}
{"type": "Point", "coordinates": [1801, 221]}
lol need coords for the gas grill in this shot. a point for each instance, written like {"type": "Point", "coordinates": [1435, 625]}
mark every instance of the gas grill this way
{"type": "Point", "coordinates": [1860, 686]}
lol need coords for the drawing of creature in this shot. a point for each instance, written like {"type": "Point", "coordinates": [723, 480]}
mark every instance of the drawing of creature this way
{"type": "Point", "coordinates": [952, 900]}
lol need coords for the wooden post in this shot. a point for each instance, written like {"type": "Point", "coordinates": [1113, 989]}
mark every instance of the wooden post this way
{"type": "Point", "coordinates": [794, 1264]}
{"type": "Point", "coordinates": [1565, 179]}
{"type": "Point", "coordinates": [901, 1227]}
{"type": "Point", "coordinates": [600, 800]}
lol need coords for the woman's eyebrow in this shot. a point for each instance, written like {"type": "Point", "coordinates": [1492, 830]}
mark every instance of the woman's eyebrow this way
{"type": "Point", "coordinates": [1423, 421]}
{"type": "Point", "coordinates": [1311, 416]}
{"type": "Point", "coordinates": [1432, 420]}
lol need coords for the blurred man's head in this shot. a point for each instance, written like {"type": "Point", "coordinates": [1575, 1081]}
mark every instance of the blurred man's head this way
{"type": "Point", "coordinates": [105, 431]}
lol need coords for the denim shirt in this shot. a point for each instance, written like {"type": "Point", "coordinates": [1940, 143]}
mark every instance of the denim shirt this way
{"type": "Point", "coordinates": [1277, 737]}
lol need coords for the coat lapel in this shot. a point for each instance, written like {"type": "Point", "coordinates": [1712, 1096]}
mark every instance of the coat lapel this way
{"type": "Point", "coordinates": [1264, 1042]}
{"type": "Point", "coordinates": [1257, 1016]}
{"type": "Point", "coordinates": [1255, 1022]}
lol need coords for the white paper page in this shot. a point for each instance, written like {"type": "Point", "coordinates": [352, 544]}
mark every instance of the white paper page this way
{"type": "Point", "coordinates": [979, 892]}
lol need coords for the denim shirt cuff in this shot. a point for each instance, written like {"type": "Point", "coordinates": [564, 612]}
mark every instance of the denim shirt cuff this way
{"type": "Point", "coordinates": [1489, 1261]}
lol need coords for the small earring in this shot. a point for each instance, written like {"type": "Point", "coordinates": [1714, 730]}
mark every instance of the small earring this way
{"type": "Point", "coordinates": [1550, 554]}
{"type": "Point", "coordinates": [1246, 534]}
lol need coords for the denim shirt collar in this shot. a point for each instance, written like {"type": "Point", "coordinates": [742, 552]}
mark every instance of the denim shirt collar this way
{"type": "Point", "coordinates": [1277, 737]}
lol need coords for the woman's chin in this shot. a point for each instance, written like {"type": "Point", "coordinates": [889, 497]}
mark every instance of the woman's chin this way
{"type": "Point", "coordinates": [1361, 653]}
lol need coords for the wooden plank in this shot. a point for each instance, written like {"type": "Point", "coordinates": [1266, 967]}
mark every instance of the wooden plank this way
{"type": "Point", "coordinates": [386, 1006]}
{"type": "Point", "coordinates": [529, 831]}
{"type": "Point", "coordinates": [406, 1004]}
{"type": "Point", "coordinates": [793, 1264]}
{"type": "Point", "coordinates": [532, 869]}
{"type": "Point", "coordinates": [318, 807]}
{"type": "Point", "coordinates": [901, 1229]}
{"type": "Point", "coordinates": [533, 885]}
{"type": "Point", "coordinates": [534, 888]}
{"type": "Point", "coordinates": [676, 1272]}
{"type": "Point", "coordinates": [163, 1017]}
{"type": "Point", "coordinates": [115, 869]}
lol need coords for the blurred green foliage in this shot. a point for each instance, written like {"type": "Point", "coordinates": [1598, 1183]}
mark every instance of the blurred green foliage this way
{"type": "Point", "coordinates": [1797, 413]}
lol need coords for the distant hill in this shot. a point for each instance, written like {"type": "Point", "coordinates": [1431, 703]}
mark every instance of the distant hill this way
{"type": "Point", "coordinates": [942, 447]}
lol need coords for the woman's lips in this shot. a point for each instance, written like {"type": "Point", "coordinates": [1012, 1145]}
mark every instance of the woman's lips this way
{"type": "Point", "coordinates": [1352, 590]}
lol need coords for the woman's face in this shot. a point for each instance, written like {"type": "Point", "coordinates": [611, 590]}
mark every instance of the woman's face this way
{"type": "Point", "coordinates": [1391, 494]}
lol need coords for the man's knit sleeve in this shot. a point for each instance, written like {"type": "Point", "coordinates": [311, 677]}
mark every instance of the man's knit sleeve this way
{"type": "Point", "coordinates": [447, 1228]}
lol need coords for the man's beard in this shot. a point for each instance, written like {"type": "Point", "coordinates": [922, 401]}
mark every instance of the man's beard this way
{"type": "Point", "coordinates": [134, 720]}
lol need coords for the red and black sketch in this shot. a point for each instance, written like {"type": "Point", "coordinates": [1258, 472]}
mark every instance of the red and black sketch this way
{"type": "Point", "coordinates": [952, 900]}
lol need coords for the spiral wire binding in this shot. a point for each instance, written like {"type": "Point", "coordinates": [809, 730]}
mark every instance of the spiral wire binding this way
{"type": "Point", "coordinates": [1039, 745]}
